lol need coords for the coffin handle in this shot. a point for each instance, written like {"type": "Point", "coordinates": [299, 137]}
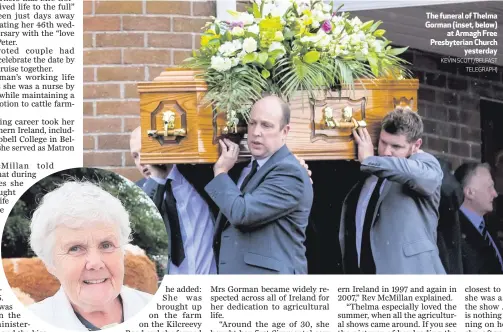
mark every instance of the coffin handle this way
{"type": "Point", "coordinates": [169, 132]}
{"type": "Point", "coordinates": [347, 120]}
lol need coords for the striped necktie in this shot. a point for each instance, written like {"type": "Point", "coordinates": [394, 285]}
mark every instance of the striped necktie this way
{"type": "Point", "coordinates": [487, 237]}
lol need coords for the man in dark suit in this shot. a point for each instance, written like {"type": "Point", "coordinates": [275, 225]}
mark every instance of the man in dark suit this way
{"type": "Point", "coordinates": [479, 249]}
{"type": "Point", "coordinates": [263, 217]}
{"type": "Point", "coordinates": [389, 220]}
{"type": "Point", "coordinates": [449, 229]}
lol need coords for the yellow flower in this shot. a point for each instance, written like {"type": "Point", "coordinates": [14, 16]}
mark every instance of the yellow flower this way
{"type": "Point", "coordinates": [268, 29]}
{"type": "Point", "coordinates": [205, 39]}
{"type": "Point", "coordinates": [271, 24]}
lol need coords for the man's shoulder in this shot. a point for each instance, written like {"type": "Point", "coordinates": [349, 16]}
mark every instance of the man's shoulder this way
{"type": "Point", "coordinates": [141, 182]}
{"type": "Point", "coordinates": [288, 164]}
{"type": "Point", "coordinates": [426, 157]}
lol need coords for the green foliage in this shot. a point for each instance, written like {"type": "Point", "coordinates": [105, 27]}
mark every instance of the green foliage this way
{"type": "Point", "coordinates": [16, 233]}
{"type": "Point", "coordinates": [235, 89]}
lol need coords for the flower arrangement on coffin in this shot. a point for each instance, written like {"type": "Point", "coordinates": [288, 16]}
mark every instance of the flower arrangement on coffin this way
{"type": "Point", "coordinates": [282, 46]}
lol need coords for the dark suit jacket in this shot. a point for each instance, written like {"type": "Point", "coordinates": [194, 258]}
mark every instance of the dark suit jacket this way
{"type": "Point", "coordinates": [266, 225]}
{"type": "Point", "coordinates": [449, 228]}
{"type": "Point", "coordinates": [477, 255]}
{"type": "Point", "coordinates": [403, 234]}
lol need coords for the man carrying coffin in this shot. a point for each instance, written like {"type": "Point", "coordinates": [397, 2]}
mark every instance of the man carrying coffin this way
{"type": "Point", "coordinates": [263, 216]}
{"type": "Point", "coordinates": [389, 220]}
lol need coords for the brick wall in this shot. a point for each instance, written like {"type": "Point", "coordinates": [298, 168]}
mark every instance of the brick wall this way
{"type": "Point", "coordinates": [449, 102]}
{"type": "Point", "coordinates": [126, 42]}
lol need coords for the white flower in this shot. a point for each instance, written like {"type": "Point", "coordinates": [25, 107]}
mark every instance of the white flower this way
{"type": "Point", "coordinates": [229, 48]}
{"type": "Point", "coordinates": [315, 24]}
{"type": "Point", "coordinates": [327, 8]}
{"type": "Point", "coordinates": [237, 44]}
{"type": "Point", "coordinates": [283, 4]}
{"type": "Point", "coordinates": [277, 46]}
{"type": "Point", "coordinates": [338, 50]}
{"type": "Point", "coordinates": [324, 39]}
{"type": "Point", "coordinates": [246, 18]}
{"type": "Point", "coordinates": [318, 15]}
{"type": "Point", "coordinates": [318, 6]}
{"type": "Point", "coordinates": [241, 54]}
{"type": "Point", "coordinates": [338, 20]}
{"type": "Point", "coordinates": [338, 29]}
{"type": "Point", "coordinates": [267, 9]}
{"type": "Point", "coordinates": [276, 12]}
{"type": "Point", "coordinates": [220, 64]}
{"type": "Point", "coordinates": [356, 24]}
{"type": "Point", "coordinates": [278, 36]}
{"type": "Point", "coordinates": [237, 31]}
{"type": "Point", "coordinates": [377, 46]}
{"type": "Point", "coordinates": [344, 40]}
{"type": "Point", "coordinates": [249, 45]}
{"type": "Point", "coordinates": [355, 39]}
{"type": "Point", "coordinates": [276, 9]}
{"type": "Point", "coordinates": [355, 21]}
{"type": "Point", "coordinates": [234, 62]}
{"type": "Point", "coordinates": [305, 39]}
{"type": "Point", "coordinates": [254, 29]}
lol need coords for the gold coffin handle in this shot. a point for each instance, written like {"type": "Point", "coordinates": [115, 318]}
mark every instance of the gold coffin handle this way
{"type": "Point", "coordinates": [169, 132]}
{"type": "Point", "coordinates": [347, 120]}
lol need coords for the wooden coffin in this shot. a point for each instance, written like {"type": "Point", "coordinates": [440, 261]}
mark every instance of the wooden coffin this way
{"type": "Point", "coordinates": [179, 127]}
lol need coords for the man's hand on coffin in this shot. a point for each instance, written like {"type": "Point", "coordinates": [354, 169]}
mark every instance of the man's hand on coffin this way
{"type": "Point", "coordinates": [159, 170]}
{"type": "Point", "coordinates": [303, 164]}
{"type": "Point", "coordinates": [228, 156]}
{"type": "Point", "coordinates": [364, 142]}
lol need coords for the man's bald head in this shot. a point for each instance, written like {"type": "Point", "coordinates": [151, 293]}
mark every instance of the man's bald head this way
{"type": "Point", "coordinates": [135, 148]}
{"type": "Point", "coordinates": [275, 103]}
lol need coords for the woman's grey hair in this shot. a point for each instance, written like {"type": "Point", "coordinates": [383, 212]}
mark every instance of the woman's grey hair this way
{"type": "Point", "coordinates": [75, 204]}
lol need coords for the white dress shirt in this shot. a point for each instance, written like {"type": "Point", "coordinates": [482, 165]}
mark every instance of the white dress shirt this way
{"type": "Point", "coordinates": [196, 226]}
{"type": "Point", "coordinates": [361, 209]}
{"type": "Point", "coordinates": [248, 168]}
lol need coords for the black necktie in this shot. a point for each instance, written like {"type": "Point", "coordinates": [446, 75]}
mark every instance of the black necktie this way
{"type": "Point", "coordinates": [249, 176]}
{"type": "Point", "coordinates": [177, 251]}
{"type": "Point", "coordinates": [367, 264]}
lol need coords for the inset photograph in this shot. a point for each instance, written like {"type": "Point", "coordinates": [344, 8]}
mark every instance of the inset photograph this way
{"type": "Point", "coordinates": [84, 248]}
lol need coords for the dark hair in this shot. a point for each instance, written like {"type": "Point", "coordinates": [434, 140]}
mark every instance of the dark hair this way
{"type": "Point", "coordinates": [465, 172]}
{"type": "Point", "coordinates": [403, 121]}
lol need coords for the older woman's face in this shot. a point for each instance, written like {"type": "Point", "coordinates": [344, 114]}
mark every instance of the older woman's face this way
{"type": "Point", "coordinates": [89, 264]}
